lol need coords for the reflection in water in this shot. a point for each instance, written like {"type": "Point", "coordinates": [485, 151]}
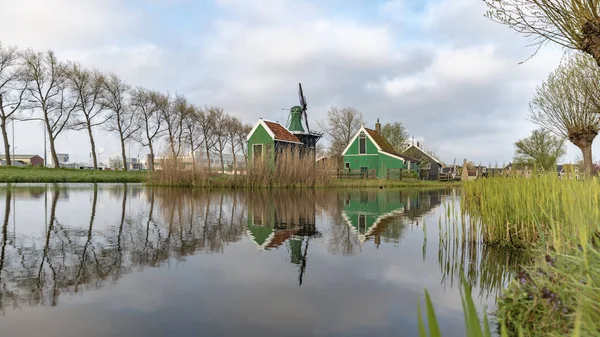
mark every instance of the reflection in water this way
{"type": "Point", "coordinates": [92, 235]}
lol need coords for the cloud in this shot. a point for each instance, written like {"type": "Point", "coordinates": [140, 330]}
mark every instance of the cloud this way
{"type": "Point", "coordinates": [449, 74]}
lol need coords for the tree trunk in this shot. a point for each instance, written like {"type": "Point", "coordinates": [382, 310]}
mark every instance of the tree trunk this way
{"type": "Point", "coordinates": [123, 156]}
{"type": "Point", "coordinates": [591, 39]}
{"type": "Point", "coordinates": [6, 144]}
{"type": "Point", "coordinates": [234, 162]}
{"type": "Point", "coordinates": [587, 159]}
{"type": "Point", "coordinates": [53, 152]}
{"type": "Point", "coordinates": [151, 165]}
{"type": "Point", "coordinates": [93, 145]}
{"type": "Point", "coordinates": [208, 157]}
{"type": "Point", "coordinates": [222, 162]}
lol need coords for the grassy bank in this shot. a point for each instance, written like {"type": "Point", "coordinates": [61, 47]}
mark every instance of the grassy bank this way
{"type": "Point", "coordinates": [202, 179]}
{"type": "Point", "coordinates": [557, 222]}
{"type": "Point", "coordinates": [50, 175]}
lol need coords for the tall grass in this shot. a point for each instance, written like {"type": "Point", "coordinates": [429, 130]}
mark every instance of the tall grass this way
{"type": "Point", "coordinates": [557, 221]}
{"type": "Point", "coordinates": [518, 211]}
{"type": "Point", "coordinates": [290, 169]}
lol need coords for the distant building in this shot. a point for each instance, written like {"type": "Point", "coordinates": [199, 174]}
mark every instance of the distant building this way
{"type": "Point", "coordinates": [429, 165]}
{"type": "Point", "coordinates": [25, 159]}
{"type": "Point", "coordinates": [202, 161]}
{"type": "Point", "coordinates": [63, 159]}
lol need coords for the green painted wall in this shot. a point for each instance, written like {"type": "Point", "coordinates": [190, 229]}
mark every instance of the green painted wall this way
{"type": "Point", "coordinates": [373, 160]}
{"type": "Point", "coordinates": [371, 148]}
{"type": "Point", "coordinates": [386, 162]}
{"type": "Point", "coordinates": [261, 136]}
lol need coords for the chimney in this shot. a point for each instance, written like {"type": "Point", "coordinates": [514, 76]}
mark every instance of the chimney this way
{"type": "Point", "coordinates": [377, 126]}
{"type": "Point", "coordinates": [418, 145]}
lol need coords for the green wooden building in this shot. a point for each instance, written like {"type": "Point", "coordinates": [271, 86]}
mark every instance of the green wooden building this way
{"type": "Point", "coordinates": [369, 152]}
{"type": "Point", "coordinates": [267, 139]}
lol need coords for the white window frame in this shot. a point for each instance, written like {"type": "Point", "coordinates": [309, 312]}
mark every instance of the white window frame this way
{"type": "Point", "coordinates": [262, 152]}
{"type": "Point", "coordinates": [347, 165]}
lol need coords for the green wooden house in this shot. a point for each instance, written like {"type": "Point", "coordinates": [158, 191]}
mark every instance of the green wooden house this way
{"type": "Point", "coordinates": [267, 139]}
{"type": "Point", "coordinates": [368, 151]}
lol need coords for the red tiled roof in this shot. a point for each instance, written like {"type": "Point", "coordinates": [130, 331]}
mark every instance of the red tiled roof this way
{"type": "Point", "coordinates": [383, 143]}
{"type": "Point", "coordinates": [281, 133]}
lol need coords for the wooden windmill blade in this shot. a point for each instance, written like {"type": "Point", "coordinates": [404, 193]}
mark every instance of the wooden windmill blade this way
{"type": "Point", "coordinates": [303, 105]}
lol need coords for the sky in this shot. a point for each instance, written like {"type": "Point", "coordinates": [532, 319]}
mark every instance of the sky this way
{"type": "Point", "coordinates": [454, 78]}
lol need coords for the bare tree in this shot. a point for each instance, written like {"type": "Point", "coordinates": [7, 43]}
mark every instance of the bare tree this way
{"type": "Point", "coordinates": [242, 134]}
{"type": "Point", "coordinates": [173, 112]}
{"type": "Point", "coordinates": [231, 129]}
{"type": "Point", "coordinates": [88, 86]}
{"type": "Point", "coordinates": [13, 87]}
{"type": "Point", "coordinates": [122, 119]}
{"type": "Point", "coordinates": [48, 94]}
{"type": "Point", "coordinates": [192, 134]}
{"type": "Point", "coordinates": [574, 24]}
{"type": "Point", "coordinates": [206, 122]}
{"type": "Point", "coordinates": [563, 108]}
{"type": "Point", "coordinates": [144, 106]}
{"type": "Point", "coordinates": [341, 125]}
{"type": "Point", "coordinates": [220, 120]}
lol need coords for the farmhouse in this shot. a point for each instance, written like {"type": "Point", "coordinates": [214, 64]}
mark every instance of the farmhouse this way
{"type": "Point", "coordinates": [429, 165]}
{"type": "Point", "coordinates": [369, 152]}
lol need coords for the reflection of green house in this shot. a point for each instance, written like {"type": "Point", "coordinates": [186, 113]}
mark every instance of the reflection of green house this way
{"type": "Point", "coordinates": [366, 211]}
{"type": "Point", "coordinates": [369, 151]}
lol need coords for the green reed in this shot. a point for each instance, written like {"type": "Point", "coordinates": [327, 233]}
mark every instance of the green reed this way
{"type": "Point", "coordinates": [557, 223]}
{"type": "Point", "coordinates": [518, 211]}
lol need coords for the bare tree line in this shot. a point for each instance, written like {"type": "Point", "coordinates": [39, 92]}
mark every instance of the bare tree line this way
{"type": "Point", "coordinates": [37, 86]}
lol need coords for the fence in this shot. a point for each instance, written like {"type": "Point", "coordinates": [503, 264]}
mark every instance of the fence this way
{"type": "Point", "coordinates": [357, 174]}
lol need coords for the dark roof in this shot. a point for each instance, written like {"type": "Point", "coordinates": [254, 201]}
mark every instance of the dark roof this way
{"type": "Point", "coordinates": [423, 152]}
{"type": "Point", "coordinates": [383, 143]}
{"type": "Point", "coordinates": [281, 133]}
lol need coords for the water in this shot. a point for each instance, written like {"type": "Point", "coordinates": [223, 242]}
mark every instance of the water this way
{"type": "Point", "coordinates": [127, 260]}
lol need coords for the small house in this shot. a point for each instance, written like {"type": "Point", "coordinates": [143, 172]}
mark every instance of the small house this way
{"type": "Point", "coordinates": [369, 151]}
{"type": "Point", "coordinates": [268, 139]}
{"type": "Point", "coordinates": [429, 166]}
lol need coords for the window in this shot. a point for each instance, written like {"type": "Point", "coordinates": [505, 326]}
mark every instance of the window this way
{"type": "Point", "coordinates": [347, 165]}
{"type": "Point", "coordinates": [362, 144]}
{"type": "Point", "coordinates": [362, 223]}
{"type": "Point", "coordinates": [257, 151]}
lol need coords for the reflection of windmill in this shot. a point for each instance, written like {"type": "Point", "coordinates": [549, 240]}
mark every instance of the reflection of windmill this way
{"type": "Point", "coordinates": [295, 121]}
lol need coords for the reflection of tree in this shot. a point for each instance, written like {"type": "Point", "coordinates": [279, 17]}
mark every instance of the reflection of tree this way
{"type": "Point", "coordinates": [36, 270]}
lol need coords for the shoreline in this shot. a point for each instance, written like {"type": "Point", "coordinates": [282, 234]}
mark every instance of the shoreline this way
{"type": "Point", "coordinates": [51, 175]}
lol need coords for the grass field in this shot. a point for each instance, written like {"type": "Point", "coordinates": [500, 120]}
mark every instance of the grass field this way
{"type": "Point", "coordinates": [50, 175]}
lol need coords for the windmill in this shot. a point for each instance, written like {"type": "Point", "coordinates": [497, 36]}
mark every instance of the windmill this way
{"type": "Point", "coordinates": [295, 123]}
{"type": "Point", "coordinates": [303, 105]}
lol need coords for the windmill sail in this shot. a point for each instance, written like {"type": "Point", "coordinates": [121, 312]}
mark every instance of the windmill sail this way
{"type": "Point", "coordinates": [303, 105]}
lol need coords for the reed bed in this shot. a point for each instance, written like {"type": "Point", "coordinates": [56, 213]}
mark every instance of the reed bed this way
{"type": "Point", "coordinates": [557, 223]}
{"type": "Point", "coordinates": [518, 211]}
{"type": "Point", "coordinates": [291, 169]}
